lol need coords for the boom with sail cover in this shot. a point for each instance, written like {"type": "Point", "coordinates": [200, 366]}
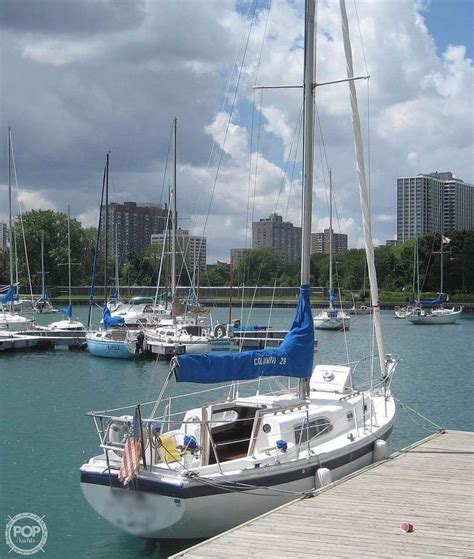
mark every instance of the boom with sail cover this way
{"type": "Point", "coordinates": [293, 358]}
{"type": "Point", "coordinates": [434, 302]}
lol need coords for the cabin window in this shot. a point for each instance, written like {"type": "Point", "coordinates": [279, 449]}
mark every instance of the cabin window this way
{"type": "Point", "coordinates": [315, 428]}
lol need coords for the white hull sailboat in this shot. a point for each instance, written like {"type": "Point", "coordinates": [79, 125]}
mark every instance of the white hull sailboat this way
{"type": "Point", "coordinates": [68, 324]}
{"type": "Point", "coordinates": [331, 318]}
{"type": "Point", "coordinates": [189, 493]}
{"type": "Point", "coordinates": [193, 474]}
{"type": "Point", "coordinates": [436, 316]}
{"type": "Point", "coordinates": [403, 312]}
{"type": "Point", "coordinates": [9, 319]}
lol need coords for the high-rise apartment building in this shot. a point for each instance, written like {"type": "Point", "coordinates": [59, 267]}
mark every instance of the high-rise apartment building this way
{"type": "Point", "coordinates": [320, 242]}
{"type": "Point", "coordinates": [131, 225]}
{"type": "Point", "coordinates": [194, 249]}
{"type": "Point", "coordinates": [433, 202]}
{"type": "Point", "coordinates": [280, 235]}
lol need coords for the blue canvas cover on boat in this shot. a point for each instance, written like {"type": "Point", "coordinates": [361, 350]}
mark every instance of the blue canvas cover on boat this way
{"type": "Point", "coordinates": [434, 302]}
{"type": "Point", "coordinates": [332, 296]}
{"type": "Point", "coordinates": [67, 311]}
{"type": "Point", "coordinates": [109, 320]}
{"type": "Point", "coordinates": [9, 295]}
{"type": "Point", "coordinates": [293, 358]}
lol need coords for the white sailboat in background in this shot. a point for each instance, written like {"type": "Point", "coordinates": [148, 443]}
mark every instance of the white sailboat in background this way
{"type": "Point", "coordinates": [43, 304]}
{"type": "Point", "coordinates": [182, 328]}
{"type": "Point", "coordinates": [9, 319]}
{"type": "Point", "coordinates": [331, 318]}
{"type": "Point", "coordinates": [196, 473]}
{"type": "Point", "coordinates": [433, 312]}
{"type": "Point", "coordinates": [68, 324]}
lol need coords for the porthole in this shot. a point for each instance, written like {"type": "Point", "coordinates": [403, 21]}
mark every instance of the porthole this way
{"type": "Point", "coordinates": [266, 428]}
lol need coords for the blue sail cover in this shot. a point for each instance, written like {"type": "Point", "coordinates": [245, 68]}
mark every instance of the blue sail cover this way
{"type": "Point", "coordinates": [109, 320]}
{"type": "Point", "coordinates": [67, 311]}
{"type": "Point", "coordinates": [434, 302]}
{"type": "Point", "coordinates": [8, 297]}
{"type": "Point", "coordinates": [293, 358]}
{"type": "Point", "coordinates": [332, 296]}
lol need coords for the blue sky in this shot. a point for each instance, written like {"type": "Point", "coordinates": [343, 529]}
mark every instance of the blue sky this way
{"type": "Point", "coordinates": [451, 22]}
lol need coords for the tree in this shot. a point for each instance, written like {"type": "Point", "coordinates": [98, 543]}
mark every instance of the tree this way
{"type": "Point", "coordinates": [260, 266]}
{"type": "Point", "coordinates": [53, 226]}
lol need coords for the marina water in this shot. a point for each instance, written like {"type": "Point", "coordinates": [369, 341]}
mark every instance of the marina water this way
{"type": "Point", "coordinates": [46, 435]}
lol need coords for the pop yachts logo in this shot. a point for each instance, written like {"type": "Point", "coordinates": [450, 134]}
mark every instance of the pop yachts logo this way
{"type": "Point", "coordinates": [26, 533]}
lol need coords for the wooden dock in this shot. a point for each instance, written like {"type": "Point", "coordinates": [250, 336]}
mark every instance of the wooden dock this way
{"type": "Point", "coordinates": [429, 484]}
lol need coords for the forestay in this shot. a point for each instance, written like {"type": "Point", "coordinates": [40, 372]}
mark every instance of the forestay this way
{"type": "Point", "coordinates": [293, 358]}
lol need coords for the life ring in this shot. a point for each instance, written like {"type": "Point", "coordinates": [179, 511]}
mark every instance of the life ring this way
{"type": "Point", "coordinates": [219, 331]}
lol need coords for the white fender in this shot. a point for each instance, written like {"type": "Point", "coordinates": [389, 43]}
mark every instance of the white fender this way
{"type": "Point", "coordinates": [380, 450]}
{"type": "Point", "coordinates": [323, 477]}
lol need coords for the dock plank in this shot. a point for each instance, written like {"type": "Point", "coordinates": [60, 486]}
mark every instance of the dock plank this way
{"type": "Point", "coordinates": [430, 484]}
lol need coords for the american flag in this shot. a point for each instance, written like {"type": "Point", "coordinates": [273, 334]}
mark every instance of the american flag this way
{"type": "Point", "coordinates": [131, 453]}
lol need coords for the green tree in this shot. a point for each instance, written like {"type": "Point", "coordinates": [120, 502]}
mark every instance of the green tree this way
{"type": "Point", "coordinates": [261, 266]}
{"type": "Point", "coordinates": [53, 225]}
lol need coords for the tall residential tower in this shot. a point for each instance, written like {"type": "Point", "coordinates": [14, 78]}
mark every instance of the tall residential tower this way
{"type": "Point", "coordinates": [433, 202]}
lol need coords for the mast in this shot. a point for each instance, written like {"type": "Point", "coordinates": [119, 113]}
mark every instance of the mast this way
{"type": "Point", "coordinates": [42, 266]}
{"type": "Point", "coordinates": [10, 226]}
{"type": "Point", "coordinates": [363, 189]}
{"type": "Point", "coordinates": [330, 239]}
{"type": "Point", "coordinates": [106, 248]}
{"type": "Point", "coordinates": [441, 282]}
{"type": "Point", "coordinates": [96, 254]}
{"type": "Point", "coordinates": [117, 281]}
{"type": "Point", "coordinates": [308, 153]}
{"type": "Point", "coordinates": [69, 252]}
{"type": "Point", "coordinates": [173, 220]}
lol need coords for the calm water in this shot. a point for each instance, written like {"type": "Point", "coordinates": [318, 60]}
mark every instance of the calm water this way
{"type": "Point", "coordinates": [46, 436]}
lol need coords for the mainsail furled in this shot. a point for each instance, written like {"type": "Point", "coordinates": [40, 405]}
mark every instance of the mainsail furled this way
{"type": "Point", "coordinates": [109, 320]}
{"type": "Point", "coordinates": [433, 302]}
{"type": "Point", "coordinates": [293, 358]}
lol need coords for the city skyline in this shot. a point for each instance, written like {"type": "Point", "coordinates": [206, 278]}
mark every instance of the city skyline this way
{"type": "Point", "coordinates": [112, 79]}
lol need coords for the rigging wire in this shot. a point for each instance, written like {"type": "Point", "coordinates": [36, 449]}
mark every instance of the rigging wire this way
{"type": "Point", "coordinates": [20, 207]}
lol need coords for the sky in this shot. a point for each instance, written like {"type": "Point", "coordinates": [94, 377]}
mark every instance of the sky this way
{"type": "Point", "coordinates": [79, 78]}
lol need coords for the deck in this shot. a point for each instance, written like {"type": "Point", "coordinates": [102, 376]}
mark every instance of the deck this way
{"type": "Point", "coordinates": [429, 484]}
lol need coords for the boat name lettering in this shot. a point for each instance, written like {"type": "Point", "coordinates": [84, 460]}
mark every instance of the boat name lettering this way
{"type": "Point", "coordinates": [270, 360]}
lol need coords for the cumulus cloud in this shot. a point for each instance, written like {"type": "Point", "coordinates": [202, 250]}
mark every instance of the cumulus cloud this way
{"type": "Point", "coordinates": [83, 78]}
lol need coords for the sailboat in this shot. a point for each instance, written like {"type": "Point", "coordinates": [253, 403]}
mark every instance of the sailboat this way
{"type": "Point", "coordinates": [9, 319]}
{"type": "Point", "coordinates": [68, 324]}
{"type": "Point", "coordinates": [181, 328]}
{"type": "Point", "coordinates": [193, 474]}
{"type": "Point", "coordinates": [43, 304]}
{"type": "Point", "coordinates": [331, 318]}
{"type": "Point", "coordinates": [114, 339]}
{"type": "Point", "coordinates": [433, 311]}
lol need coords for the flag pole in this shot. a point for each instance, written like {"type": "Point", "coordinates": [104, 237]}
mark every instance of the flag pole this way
{"type": "Point", "coordinates": [142, 445]}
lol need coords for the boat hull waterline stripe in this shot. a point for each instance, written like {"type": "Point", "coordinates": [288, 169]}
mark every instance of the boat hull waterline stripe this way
{"type": "Point", "coordinates": [197, 488]}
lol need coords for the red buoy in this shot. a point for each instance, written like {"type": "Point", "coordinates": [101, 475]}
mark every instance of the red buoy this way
{"type": "Point", "coordinates": [407, 527]}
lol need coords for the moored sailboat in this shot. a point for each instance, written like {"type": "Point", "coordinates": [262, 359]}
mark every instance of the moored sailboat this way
{"type": "Point", "coordinates": [193, 474]}
{"type": "Point", "coordinates": [433, 311]}
{"type": "Point", "coordinates": [113, 339]}
{"type": "Point", "coordinates": [9, 319]}
{"type": "Point", "coordinates": [331, 318]}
